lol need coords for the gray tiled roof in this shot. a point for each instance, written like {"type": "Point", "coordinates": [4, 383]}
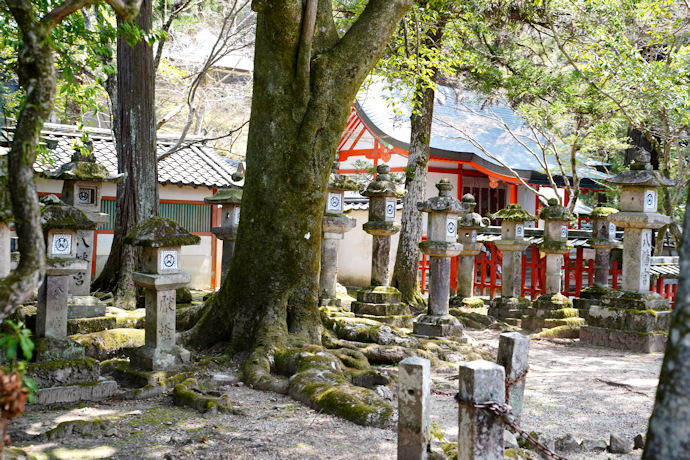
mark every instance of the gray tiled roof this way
{"type": "Point", "coordinates": [194, 165]}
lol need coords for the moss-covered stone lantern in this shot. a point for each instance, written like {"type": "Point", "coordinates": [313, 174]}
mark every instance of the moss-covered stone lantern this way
{"type": "Point", "coordinates": [634, 318]}
{"type": "Point", "coordinates": [162, 240]}
{"type": "Point", "coordinates": [60, 225]}
{"type": "Point", "coordinates": [379, 298]}
{"type": "Point", "coordinates": [602, 241]}
{"type": "Point", "coordinates": [552, 310]}
{"type": "Point", "coordinates": [82, 188]}
{"type": "Point", "coordinates": [230, 199]}
{"type": "Point", "coordinates": [468, 225]}
{"type": "Point", "coordinates": [440, 245]}
{"type": "Point", "coordinates": [335, 225]}
{"type": "Point", "coordinates": [511, 305]}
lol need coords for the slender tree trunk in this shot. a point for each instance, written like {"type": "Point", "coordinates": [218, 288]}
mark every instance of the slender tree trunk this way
{"type": "Point", "coordinates": [135, 130]}
{"type": "Point", "coordinates": [305, 79]}
{"type": "Point", "coordinates": [407, 258]}
{"type": "Point", "coordinates": [667, 435]}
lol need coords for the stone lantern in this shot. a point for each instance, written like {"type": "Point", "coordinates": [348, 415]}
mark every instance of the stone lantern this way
{"type": "Point", "coordinates": [379, 298]}
{"type": "Point", "coordinates": [230, 199]}
{"type": "Point", "coordinates": [553, 309]}
{"type": "Point", "coordinates": [335, 225]}
{"type": "Point", "coordinates": [634, 318]}
{"type": "Point", "coordinates": [83, 180]}
{"type": "Point", "coordinates": [468, 225]}
{"type": "Point", "coordinates": [60, 225]}
{"type": "Point", "coordinates": [162, 240]}
{"type": "Point", "coordinates": [602, 241]}
{"type": "Point", "coordinates": [440, 245]}
{"type": "Point", "coordinates": [511, 305]}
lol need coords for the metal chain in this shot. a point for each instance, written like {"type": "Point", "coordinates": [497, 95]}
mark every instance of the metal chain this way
{"type": "Point", "coordinates": [505, 413]}
{"type": "Point", "coordinates": [510, 383]}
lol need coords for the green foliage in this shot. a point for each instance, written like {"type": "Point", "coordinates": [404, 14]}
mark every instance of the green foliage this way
{"type": "Point", "coordinates": [19, 338]}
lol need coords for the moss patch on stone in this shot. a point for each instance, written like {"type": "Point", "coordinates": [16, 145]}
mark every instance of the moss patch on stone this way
{"type": "Point", "coordinates": [61, 216]}
{"type": "Point", "coordinates": [110, 344]}
{"type": "Point", "coordinates": [188, 394]}
{"type": "Point", "coordinates": [513, 213]}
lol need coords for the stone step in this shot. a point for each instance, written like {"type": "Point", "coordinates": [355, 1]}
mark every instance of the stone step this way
{"type": "Point", "coordinates": [111, 343]}
{"type": "Point", "coordinates": [92, 391]}
{"type": "Point", "coordinates": [402, 321]}
{"type": "Point", "coordinates": [60, 373]}
{"type": "Point", "coordinates": [114, 318]}
{"type": "Point", "coordinates": [378, 309]}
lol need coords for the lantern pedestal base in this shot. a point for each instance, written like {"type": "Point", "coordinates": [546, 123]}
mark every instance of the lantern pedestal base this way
{"type": "Point", "coordinates": [51, 349]}
{"type": "Point", "coordinates": [378, 301]}
{"type": "Point", "coordinates": [555, 314]}
{"type": "Point", "coordinates": [82, 306]}
{"type": "Point", "coordinates": [437, 326]}
{"type": "Point", "coordinates": [509, 309]}
{"type": "Point", "coordinates": [155, 359]}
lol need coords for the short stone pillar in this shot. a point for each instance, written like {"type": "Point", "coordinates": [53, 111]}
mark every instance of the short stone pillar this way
{"type": "Point", "coordinates": [511, 305]}
{"type": "Point", "coordinates": [513, 355]}
{"type": "Point", "coordinates": [60, 226]}
{"type": "Point", "coordinates": [440, 245]}
{"type": "Point", "coordinates": [380, 299]}
{"type": "Point", "coordinates": [161, 239]}
{"type": "Point", "coordinates": [82, 186]}
{"type": "Point", "coordinates": [468, 224]}
{"type": "Point", "coordinates": [230, 199]}
{"type": "Point", "coordinates": [480, 432]}
{"type": "Point", "coordinates": [414, 388]}
{"type": "Point", "coordinates": [335, 225]}
{"type": "Point", "coordinates": [553, 310]}
{"type": "Point", "coordinates": [634, 318]}
{"type": "Point", "coordinates": [602, 241]}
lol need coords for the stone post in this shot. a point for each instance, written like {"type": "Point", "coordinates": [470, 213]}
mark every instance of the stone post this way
{"type": "Point", "coordinates": [513, 355]}
{"type": "Point", "coordinates": [5, 219]}
{"type": "Point", "coordinates": [602, 241]}
{"type": "Point", "coordinates": [468, 224]}
{"type": "Point", "coordinates": [480, 433]}
{"type": "Point", "coordinates": [440, 245]}
{"type": "Point", "coordinates": [60, 225]}
{"type": "Point", "coordinates": [414, 387]}
{"type": "Point", "coordinates": [511, 305]}
{"type": "Point", "coordinates": [230, 199]}
{"type": "Point", "coordinates": [553, 311]}
{"type": "Point", "coordinates": [161, 239]}
{"type": "Point", "coordinates": [624, 319]}
{"type": "Point", "coordinates": [335, 225]}
{"type": "Point", "coordinates": [379, 298]}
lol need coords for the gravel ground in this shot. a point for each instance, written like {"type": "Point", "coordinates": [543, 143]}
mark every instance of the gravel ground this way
{"type": "Point", "coordinates": [587, 392]}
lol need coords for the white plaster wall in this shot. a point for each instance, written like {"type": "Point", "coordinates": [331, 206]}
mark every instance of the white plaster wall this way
{"type": "Point", "coordinates": [354, 253]}
{"type": "Point", "coordinates": [195, 260]}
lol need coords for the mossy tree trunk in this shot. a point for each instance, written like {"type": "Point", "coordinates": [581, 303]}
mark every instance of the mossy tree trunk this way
{"type": "Point", "coordinates": [137, 194]}
{"type": "Point", "coordinates": [37, 76]}
{"type": "Point", "coordinates": [667, 435]}
{"type": "Point", "coordinates": [305, 79]}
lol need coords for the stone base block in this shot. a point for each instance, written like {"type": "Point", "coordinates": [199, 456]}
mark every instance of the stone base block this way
{"type": "Point", "coordinates": [547, 313]}
{"type": "Point", "coordinates": [93, 391]}
{"type": "Point", "coordinates": [89, 325]}
{"type": "Point", "coordinates": [628, 320]}
{"type": "Point", "coordinates": [378, 309]}
{"type": "Point", "coordinates": [57, 373]}
{"type": "Point", "coordinates": [513, 322]}
{"type": "Point", "coordinates": [379, 294]}
{"type": "Point", "coordinates": [467, 302]}
{"type": "Point", "coordinates": [532, 323]}
{"type": "Point", "coordinates": [154, 359]}
{"type": "Point", "coordinates": [646, 342]}
{"type": "Point", "coordinates": [635, 301]}
{"type": "Point", "coordinates": [508, 307]}
{"type": "Point", "coordinates": [583, 305]}
{"type": "Point", "coordinates": [401, 321]}
{"type": "Point", "coordinates": [561, 332]}
{"type": "Point", "coordinates": [552, 302]}
{"type": "Point", "coordinates": [84, 307]}
{"type": "Point", "coordinates": [50, 349]}
{"type": "Point", "coordinates": [437, 326]}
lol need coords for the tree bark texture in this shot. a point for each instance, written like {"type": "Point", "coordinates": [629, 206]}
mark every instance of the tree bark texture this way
{"type": "Point", "coordinates": [137, 194]}
{"type": "Point", "coordinates": [305, 79]}
{"type": "Point", "coordinates": [407, 257]}
{"type": "Point", "coordinates": [667, 435]}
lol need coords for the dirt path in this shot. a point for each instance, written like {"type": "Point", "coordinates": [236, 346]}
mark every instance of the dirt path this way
{"type": "Point", "coordinates": [587, 392]}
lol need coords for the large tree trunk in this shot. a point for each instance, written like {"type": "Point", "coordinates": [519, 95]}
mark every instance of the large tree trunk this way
{"type": "Point", "coordinates": [305, 79]}
{"type": "Point", "coordinates": [667, 435]}
{"type": "Point", "coordinates": [135, 130]}
{"type": "Point", "coordinates": [407, 258]}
